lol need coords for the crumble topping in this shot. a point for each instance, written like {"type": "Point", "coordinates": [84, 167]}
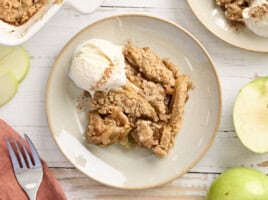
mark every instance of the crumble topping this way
{"type": "Point", "coordinates": [233, 8]}
{"type": "Point", "coordinates": [148, 109]}
{"type": "Point", "coordinates": [17, 12]}
{"type": "Point", "coordinates": [149, 64]}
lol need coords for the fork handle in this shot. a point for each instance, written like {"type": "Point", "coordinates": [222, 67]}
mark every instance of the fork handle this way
{"type": "Point", "coordinates": [31, 194]}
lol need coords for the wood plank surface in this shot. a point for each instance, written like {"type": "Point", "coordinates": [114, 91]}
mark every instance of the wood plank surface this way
{"type": "Point", "coordinates": [26, 112]}
{"type": "Point", "coordinates": [192, 186]}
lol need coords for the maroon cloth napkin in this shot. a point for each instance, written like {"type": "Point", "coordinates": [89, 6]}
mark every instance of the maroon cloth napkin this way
{"type": "Point", "coordinates": [9, 188]}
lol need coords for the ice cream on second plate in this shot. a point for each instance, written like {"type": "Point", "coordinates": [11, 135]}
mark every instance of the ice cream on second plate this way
{"type": "Point", "coordinates": [98, 65]}
{"type": "Point", "coordinates": [256, 17]}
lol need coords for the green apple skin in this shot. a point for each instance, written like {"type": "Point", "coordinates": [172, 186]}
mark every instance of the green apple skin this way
{"type": "Point", "coordinates": [250, 115]}
{"type": "Point", "coordinates": [239, 184]}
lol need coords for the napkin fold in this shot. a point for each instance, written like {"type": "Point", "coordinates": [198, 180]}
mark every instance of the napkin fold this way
{"type": "Point", "coordinates": [9, 187]}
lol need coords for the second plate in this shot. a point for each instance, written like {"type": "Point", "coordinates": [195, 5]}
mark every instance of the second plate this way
{"type": "Point", "coordinates": [212, 17]}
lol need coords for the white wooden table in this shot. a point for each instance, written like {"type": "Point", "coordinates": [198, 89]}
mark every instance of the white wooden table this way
{"type": "Point", "coordinates": [26, 112]}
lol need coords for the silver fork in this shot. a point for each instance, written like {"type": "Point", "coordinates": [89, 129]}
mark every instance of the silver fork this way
{"type": "Point", "coordinates": [28, 172]}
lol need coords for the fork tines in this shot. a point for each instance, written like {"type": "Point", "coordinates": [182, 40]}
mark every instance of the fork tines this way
{"type": "Point", "coordinates": [19, 162]}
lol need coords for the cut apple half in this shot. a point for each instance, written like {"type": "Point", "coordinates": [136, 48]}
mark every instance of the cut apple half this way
{"type": "Point", "coordinates": [8, 87]}
{"type": "Point", "coordinates": [250, 115]}
{"type": "Point", "coordinates": [16, 60]}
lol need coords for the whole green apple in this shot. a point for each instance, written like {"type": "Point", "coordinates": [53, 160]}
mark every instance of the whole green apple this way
{"type": "Point", "coordinates": [239, 184]}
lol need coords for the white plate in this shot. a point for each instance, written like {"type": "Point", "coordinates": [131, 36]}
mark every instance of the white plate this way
{"type": "Point", "coordinates": [136, 168]}
{"type": "Point", "coordinates": [15, 35]}
{"type": "Point", "coordinates": [212, 17]}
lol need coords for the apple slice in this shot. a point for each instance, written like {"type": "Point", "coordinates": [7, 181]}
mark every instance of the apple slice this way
{"type": "Point", "coordinates": [17, 61]}
{"type": "Point", "coordinates": [4, 51]}
{"type": "Point", "coordinates": [250, 115]}
{"type": "Point", "coordinates": [8, 87]}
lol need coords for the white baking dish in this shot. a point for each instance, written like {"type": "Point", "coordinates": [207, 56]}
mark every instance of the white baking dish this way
{"type": "Point", "coordinates": [16, 35]}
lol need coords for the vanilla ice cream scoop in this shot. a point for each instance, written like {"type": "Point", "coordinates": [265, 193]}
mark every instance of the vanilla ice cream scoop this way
{"type": "Point", "coordinates": [256, 17]}
{"type": "Point", "coordinates": [98, 65]}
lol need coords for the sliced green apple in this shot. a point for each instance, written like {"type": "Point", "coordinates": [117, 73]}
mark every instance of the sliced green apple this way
{"type": "Point", "coordinates": [17, 61]}
{"type": "Point", "coordinates": [8, 87]}
{"type": "Point", "coordinates": [250, 115]}
{"type": "Point", "coordinates": [5, 50]}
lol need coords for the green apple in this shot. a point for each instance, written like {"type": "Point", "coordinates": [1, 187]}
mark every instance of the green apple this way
{"type": "Point", "coordinates": [17, 61]}
{"type": "Point", "coordinates": [239, 184]}
{"type": "Point", "coordinates": [8, 87]}
{"type": "Point", "coordinates": [4, 51]}
{"type": "Point", "coordinates": [250, 115]}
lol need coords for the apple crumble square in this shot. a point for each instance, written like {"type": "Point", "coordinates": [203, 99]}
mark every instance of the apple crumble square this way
{"type": "Point", "coordinates": [148, 109]}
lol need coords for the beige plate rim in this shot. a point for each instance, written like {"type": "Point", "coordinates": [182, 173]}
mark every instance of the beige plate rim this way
{"type": "Point", "coordinates": [217, 35]}
{"type": "Point", "coordinates": [52, 132]}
